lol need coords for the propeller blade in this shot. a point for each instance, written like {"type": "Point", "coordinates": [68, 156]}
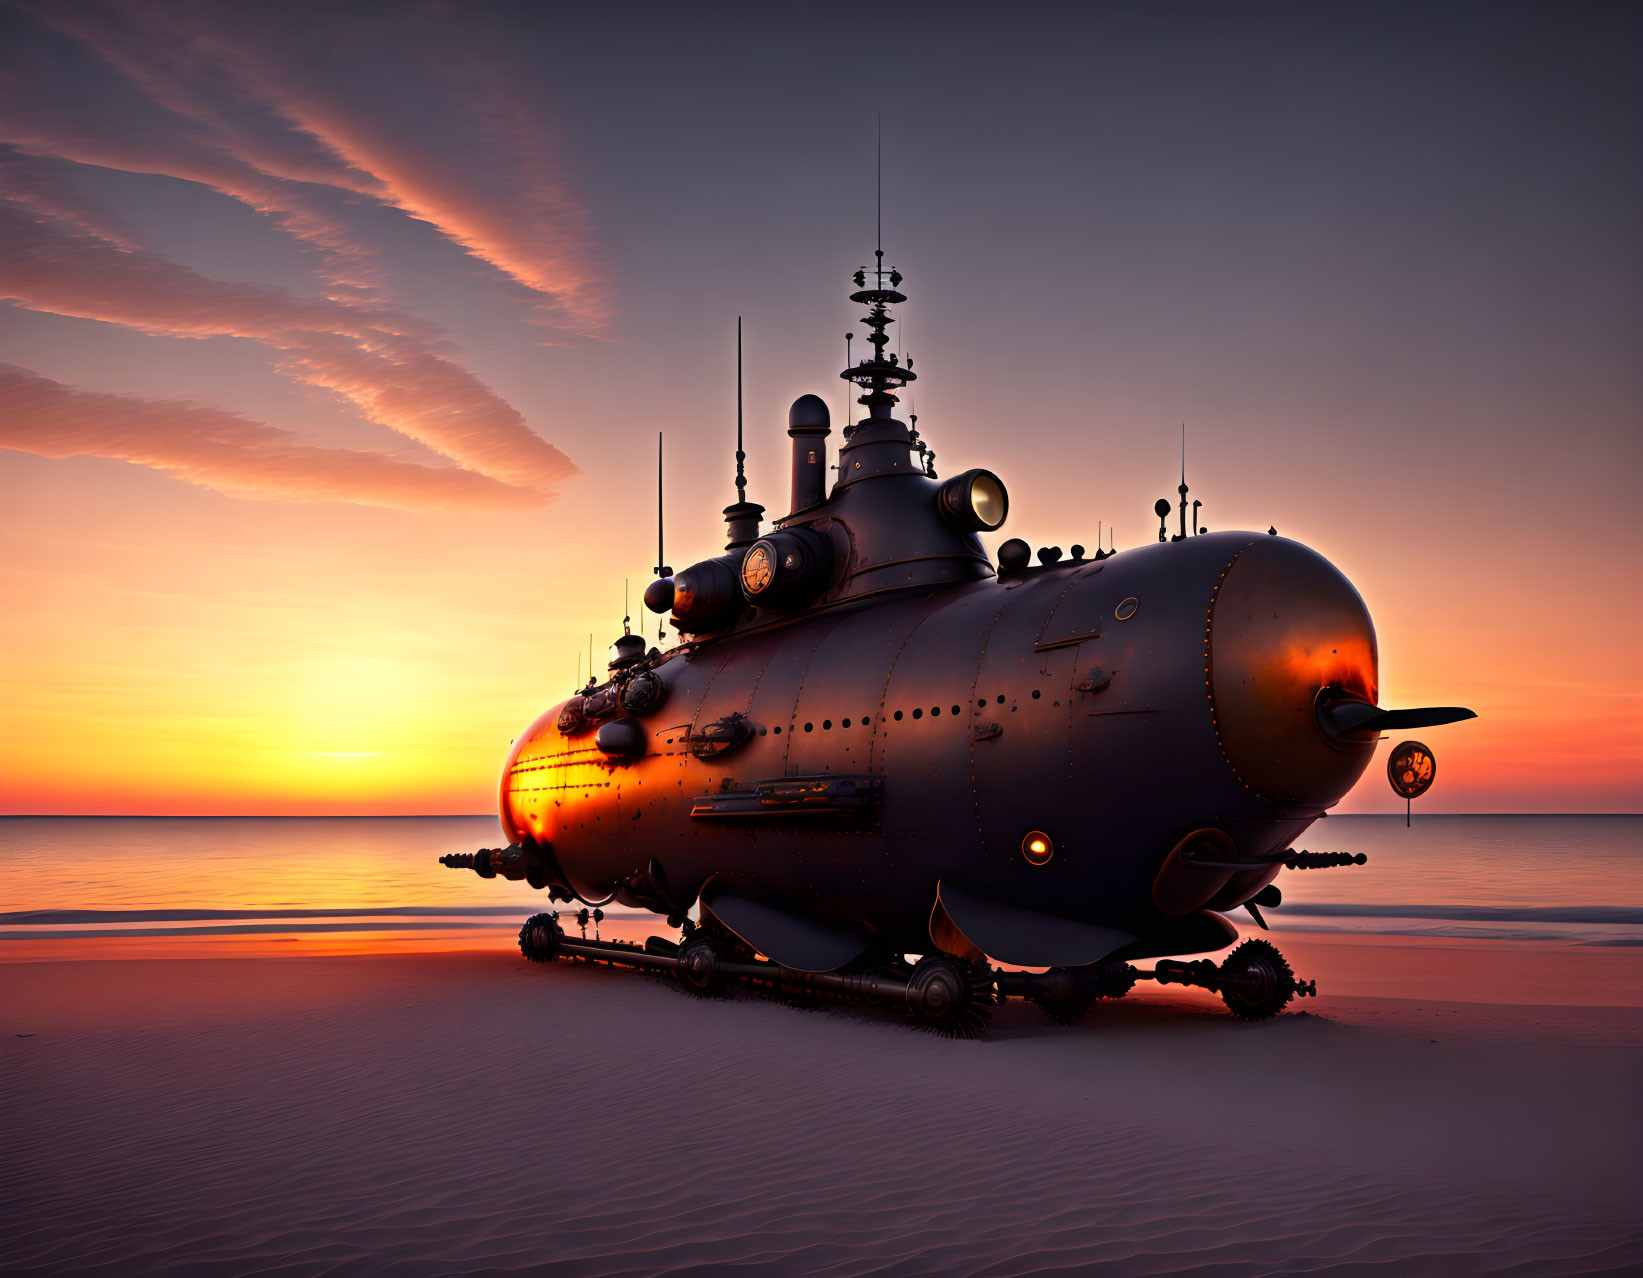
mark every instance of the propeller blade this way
{"type": "Point", "coordinates": [1358, 718]}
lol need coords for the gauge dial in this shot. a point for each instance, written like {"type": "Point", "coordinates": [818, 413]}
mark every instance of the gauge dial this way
{"type": "Point", "coordinates": [1411, 769]}
{"type": "Point", "coordinates": [756, 571]}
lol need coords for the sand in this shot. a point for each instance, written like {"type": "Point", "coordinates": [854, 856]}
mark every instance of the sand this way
{"type": "Point", "coordinates": [470, 1113]}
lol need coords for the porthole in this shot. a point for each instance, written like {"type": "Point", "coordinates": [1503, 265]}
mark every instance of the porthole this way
{"type": "Point", "coordinates": [809, 727]}
{"type": "Point", "coordinates": [827, 725]}
{"type": "Point", "coordinates": [898, 716]}
{"type": "Point", "coordinates": [1036, 694]}
{"type": "Point", "coordinates": [918, 713]}
{"type": "Point", "coordinates": [935, 710]}
{"type": "Point", "coordinates": [1126, 610]}
{"type": "Point", "coordinates": [1001, 699]}
{"type": "Point", "coordinates": [956, 710]}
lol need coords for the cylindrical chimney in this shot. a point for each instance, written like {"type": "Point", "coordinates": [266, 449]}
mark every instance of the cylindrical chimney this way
{"type": "Point", "coordinates": [808, 427]}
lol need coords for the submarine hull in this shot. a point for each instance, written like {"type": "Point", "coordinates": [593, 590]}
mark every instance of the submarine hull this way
{"type": "Point", "coordinates": [852, 763]}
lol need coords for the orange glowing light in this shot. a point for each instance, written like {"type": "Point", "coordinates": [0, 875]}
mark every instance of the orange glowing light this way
{"type": "Point", "coordinates": [1037, 847]}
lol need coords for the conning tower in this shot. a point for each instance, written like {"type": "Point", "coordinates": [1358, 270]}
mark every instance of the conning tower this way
{"type": "Point", "coordinates": [886, 524]}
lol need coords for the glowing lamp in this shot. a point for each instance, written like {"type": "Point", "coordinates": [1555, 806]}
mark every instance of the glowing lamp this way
{"type": "Point", "coordinates": [1037, 847]}
{"type": "Point", "coordinates": [974, 501]}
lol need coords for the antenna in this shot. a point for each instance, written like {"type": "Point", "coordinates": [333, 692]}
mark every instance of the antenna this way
{"type": "Point", "coordinates": [741, 474]}
{"type": "Point", "coordinates": [848, 427]}
{"type": "Point", "coordinates": [590, 656]}
{"type": "Point", "coordinates": [1182, 535]}
{"type": "Point", "coordinates": [879, 165]}
{"type": "Point", "coordinates": [627, 615]}
{"type": "Point", "coordinates": [661, 569]}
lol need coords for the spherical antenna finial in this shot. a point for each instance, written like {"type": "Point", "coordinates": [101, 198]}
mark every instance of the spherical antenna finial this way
{"type": "Point", "coordinates": [1161, 508]}
{"type": "Point", "coordinates": [809, 412]}
{"type": "Point", "coordinates": [1014, 555]}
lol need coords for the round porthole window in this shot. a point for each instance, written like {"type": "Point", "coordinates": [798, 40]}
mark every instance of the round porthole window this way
{"type": "Point", "coordinates": [1126, 610]}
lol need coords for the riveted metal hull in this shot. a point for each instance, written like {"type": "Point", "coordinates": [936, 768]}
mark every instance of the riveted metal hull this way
{"type": "Point", "coordinates": [1079, 701]}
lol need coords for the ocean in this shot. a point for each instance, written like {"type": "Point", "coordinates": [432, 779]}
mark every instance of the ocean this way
{"type": "Point", "coordinates": [80, 887]}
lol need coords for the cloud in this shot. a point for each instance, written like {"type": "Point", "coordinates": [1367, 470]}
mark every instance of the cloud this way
{"type": "Point", "coordinates": [426, 114]}
{"type": "Point", "coordinates": [330, 123]}
{"type": "Point", "coordinates": [380, 360]}
{"type": "Point", "coordinates": [221, 450]}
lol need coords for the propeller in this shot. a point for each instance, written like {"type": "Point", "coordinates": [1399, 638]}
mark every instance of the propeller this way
{"type": "Point", "coordinates": [1351, 719]}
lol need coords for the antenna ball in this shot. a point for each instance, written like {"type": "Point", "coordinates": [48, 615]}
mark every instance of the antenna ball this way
{"type": "Point", "coordinates": [659, 595]}
{"type": "Point", "coordinates": [1161, 508]}
{"type": "Point", "coordinates": [809, 412]}
{"type": "Point", "coordinates": [1014, 555]}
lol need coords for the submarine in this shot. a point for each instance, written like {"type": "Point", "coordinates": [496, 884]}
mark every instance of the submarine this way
{"type": "Point", "coordinates": [879, 765]}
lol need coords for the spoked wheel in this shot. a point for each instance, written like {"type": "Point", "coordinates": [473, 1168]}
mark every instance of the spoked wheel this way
{"type": "Point", "coordinates": [1257, 981]}
{"type": "Point", "coordinates": [949, 997]}
{"type": "Point", "coordinates": [698, 969]}
{"type": "Point", "coordinates": [539, 938]}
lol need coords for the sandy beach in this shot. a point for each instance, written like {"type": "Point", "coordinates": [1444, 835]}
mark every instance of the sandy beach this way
{"type": "Point", "coordinates": [471, 1113]}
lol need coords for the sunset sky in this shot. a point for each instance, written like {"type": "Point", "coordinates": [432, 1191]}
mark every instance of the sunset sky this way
{"type": "Point", "coordinates": [334, 342]}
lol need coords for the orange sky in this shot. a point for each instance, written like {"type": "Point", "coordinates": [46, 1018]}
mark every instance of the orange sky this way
{"type": "Point", "coordinates": [326, 403]}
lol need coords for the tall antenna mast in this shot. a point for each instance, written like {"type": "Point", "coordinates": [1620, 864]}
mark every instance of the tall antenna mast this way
{"type": "Point", "coordinates": [661, 569]}
{"type": "Point", "coordinates": [1182, 536]}
{"type": "Point", "coordinates": [878, 226]}
{"type": "Point", "coordinates": [742, 517]}
{"type": "Point", "coordinates": [741, 474]}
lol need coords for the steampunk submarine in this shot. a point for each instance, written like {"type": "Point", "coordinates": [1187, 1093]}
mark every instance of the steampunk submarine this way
{"type": "Point", "coordinates": [877, 764]}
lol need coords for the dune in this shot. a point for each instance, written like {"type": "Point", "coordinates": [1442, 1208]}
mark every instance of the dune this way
{"type": "Point", "coordinates": [467, 1112]}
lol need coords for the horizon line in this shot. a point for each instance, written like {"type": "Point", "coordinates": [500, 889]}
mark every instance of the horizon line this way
{"type": "Point", "coordinates": [445, 816]}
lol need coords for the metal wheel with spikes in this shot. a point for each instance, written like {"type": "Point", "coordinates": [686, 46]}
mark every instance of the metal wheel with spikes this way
{"type": "Point", "coordinates": [539, 938]}
{"type": "Point", "coordinates": [1259, 981]}
{"type": "Point", "coordinates": [698, 969]}
{"type": "Point", "coordinates": [950, 998]}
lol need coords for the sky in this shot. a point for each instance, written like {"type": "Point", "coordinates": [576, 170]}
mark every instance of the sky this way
{"type": "Point", "coordinates": [335, 340]}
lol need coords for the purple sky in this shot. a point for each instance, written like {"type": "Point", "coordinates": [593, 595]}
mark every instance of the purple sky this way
{"type": "Point", "coordinates": [427, 280]}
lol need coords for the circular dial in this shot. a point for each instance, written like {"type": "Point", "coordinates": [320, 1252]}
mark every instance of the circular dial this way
{"type": "Point", "coordinates": [1411, 769]}
{"type": "Point", "coordinates": [756, 570]}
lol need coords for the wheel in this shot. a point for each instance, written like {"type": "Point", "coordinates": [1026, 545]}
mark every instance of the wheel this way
{"type": "Point", "coordinates": [1261, 982]}
{"type": "Point", "coordinates": [949, 997]}
{"type": "Point", "coordinates": [539, 938]}
{"type": "Point", "coordinates": [698, 969]}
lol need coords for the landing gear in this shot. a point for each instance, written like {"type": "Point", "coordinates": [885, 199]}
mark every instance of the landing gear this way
{"type": "Point", "coordinates": [1066, 993]}
{"type": "Point", "coordinates": [944, 994]}
{"type": "Point", "coordinates": [1257, 983]}
{"type": "Point", "coordinates": [1254, 981]}
{"type": "Point", "coordinates": [950, 997]}
{"type": "Point", "coordinates": [540, 938]}
{"type": "Point", "coordinates": [699, 969]}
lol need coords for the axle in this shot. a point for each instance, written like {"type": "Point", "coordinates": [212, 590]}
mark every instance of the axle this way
{"type": "Point", "coordinates": [942, 992]}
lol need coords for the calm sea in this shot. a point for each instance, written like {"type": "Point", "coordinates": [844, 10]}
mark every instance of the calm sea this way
{"type": "Point", "coordinates": [74, 887]}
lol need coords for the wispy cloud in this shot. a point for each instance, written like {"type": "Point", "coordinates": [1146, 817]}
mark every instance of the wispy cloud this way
{"type": "Point", "coordinates": [221, 450]}
{"type": "Point", "coordinates": [269, 112]}
{"type": "Point", "coordinates": [378, 359]}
